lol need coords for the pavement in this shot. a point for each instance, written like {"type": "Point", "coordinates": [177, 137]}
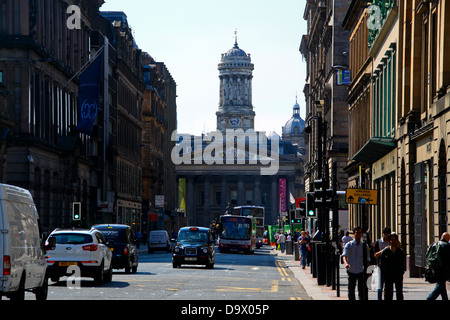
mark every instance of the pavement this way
{"type": "Point", "coordinates": [413, 288]}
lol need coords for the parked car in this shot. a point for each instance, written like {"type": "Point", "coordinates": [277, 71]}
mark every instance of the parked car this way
{"type": "Point", "coordinates": [86, 249]}
{"type": "Point", "coordinates": [158, 240]}
{"type": "Point", "coordinates": [22, 266]}
{"type": "Point", "coordinates": [195, 245]}
{"type": "Point", "coordinates": [120, 239]}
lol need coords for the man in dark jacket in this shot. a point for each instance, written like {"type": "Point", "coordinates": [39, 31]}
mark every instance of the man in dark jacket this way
{"type": "Point", "coordinates": [443, 272]}
{"type": "Point", "coordinates": [392, 265]}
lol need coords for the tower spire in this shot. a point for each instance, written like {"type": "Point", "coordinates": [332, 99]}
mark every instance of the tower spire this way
{"type": "Point", "coordinates": [235, 38]}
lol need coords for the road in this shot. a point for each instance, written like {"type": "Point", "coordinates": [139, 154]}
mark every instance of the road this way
{"type": "Point", "coordinates": [261, 276]}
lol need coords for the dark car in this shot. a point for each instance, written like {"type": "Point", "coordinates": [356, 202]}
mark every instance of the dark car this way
{"type": "Point", "coordinates": [195, 245]}
{"type": "Point", "coordinates": [121, 241]}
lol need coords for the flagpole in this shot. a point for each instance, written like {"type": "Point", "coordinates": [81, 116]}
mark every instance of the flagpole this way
{"type": "Point", "coordinates": [85, 65]}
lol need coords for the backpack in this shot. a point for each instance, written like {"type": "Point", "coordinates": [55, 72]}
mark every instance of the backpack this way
{"type": "Point", "coordinates": [434, 259]}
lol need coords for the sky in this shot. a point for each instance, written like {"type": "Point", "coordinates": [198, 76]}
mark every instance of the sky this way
{"type": "Point", "coordinates": [189, 36]}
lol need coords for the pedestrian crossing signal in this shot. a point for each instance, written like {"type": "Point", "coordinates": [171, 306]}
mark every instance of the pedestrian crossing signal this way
{"type": "Point", "coordinates": [76, 211]}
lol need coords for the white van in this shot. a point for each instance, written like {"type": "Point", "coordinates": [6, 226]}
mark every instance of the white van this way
{"type": "Point", "coordinates": [158, 240]}
{"type": "Point", "coordinates": [22, 264]}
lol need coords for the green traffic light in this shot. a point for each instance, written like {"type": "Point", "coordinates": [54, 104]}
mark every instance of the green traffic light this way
{"type": "Point", "coordinates": [310, 213]}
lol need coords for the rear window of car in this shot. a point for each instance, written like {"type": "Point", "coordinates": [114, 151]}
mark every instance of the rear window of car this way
{"type": "Point", "coordinates": [115, 235]}
{"type": "Point", "coordinates": [72, 238]}
{"type": "Point", "coordinates": [192, 236]}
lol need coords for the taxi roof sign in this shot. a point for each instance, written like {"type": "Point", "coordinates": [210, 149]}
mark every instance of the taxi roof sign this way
{"type": "Point", "coordinates": [361, 196]}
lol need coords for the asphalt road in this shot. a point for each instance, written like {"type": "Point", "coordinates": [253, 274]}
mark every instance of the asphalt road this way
{"type": "Point", "coordinates": [261, 276]}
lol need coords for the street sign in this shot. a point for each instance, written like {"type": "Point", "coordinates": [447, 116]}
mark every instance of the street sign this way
{"type": "Point", "coordinates": [361, 196]}
{"type": "Point", "coordinates": [343, 77]}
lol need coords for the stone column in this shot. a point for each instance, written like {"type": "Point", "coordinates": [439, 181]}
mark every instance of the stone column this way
{"type": "Point", "coordinates": [190, 206]}
{"type": "Point", "coordinates": [207, 194]}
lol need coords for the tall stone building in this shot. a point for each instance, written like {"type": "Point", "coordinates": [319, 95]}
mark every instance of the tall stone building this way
{"type": "Point", "coordinates": [159, 121]}
{"type": "Point", "coordinates": [229, 166]}
{"type": "Point", "coordinates": [125, 123]}
{"type": "Point", "coordinates": [40, 58]}
{"type": "Point", "coordinates": [235, 102]}
{"type": "Point", "coordinates": [399, 105]}
{"type": "Point", "coordinates": [325, 48]}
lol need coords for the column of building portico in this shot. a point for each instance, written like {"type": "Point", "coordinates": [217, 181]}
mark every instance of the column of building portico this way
{"type": "Point", "coordinates": [223, 194]}
{"type": "Point", "coordinates": [241, 192]}
{"type": "Point", "coordinates": [190, 214]}
{"type": "Point", "coordinates": [206, 208]}
{"type": "Point", "coordinates": [273, 215]}
{"type": "Point", "coordinates": [257, 192]}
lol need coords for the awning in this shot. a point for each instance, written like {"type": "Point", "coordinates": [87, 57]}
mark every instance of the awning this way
{"type": "Point", "coordinates": [374, 149]}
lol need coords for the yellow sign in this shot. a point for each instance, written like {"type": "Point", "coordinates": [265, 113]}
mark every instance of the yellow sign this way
{"type": "Point", "coordinates": [361, 196]}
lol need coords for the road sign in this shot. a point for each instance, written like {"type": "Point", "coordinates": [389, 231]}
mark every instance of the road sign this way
{"type": "Point", "coordinates": [361, 196]}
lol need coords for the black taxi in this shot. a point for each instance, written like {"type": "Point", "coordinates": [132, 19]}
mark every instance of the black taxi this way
{"type": "Point", "coordinates": [195, 245]}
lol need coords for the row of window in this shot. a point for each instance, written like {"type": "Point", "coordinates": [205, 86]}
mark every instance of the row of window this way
{"type": "Point", "coordinates": [233, 197]}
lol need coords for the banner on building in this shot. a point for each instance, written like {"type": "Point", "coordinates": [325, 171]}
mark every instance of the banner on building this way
{"type": "Point", "coordinates": [182, 194]}
{"type": "Point", "coordinates": [159, 201]}
{"type": "Point", "coordinates": [89, 95]}
{"type": "Point", "coordinates": [282, 195]}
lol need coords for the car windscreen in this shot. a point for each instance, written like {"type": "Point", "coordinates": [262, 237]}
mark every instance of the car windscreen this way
{"type": "Point", "coordinates": [72, 238]}
{"type": "Point", "coordinates": [114, 235]}
{"type": "Point", "coordinates": [192, 236]}
{"type": "Point", "coordinates": [236, 231]}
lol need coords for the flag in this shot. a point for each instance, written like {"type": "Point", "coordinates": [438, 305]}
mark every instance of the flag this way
{"type": "Point", "coordinates": [88, 95]}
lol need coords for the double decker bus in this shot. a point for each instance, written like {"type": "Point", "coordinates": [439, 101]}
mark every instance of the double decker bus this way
{"type": "Point", "coordinates": [236, 233]}
{"type": "Point", "coordinates": [256, 212]}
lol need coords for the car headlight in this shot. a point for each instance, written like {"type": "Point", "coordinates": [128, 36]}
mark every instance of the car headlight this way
{"type": "Point", "coordinates": [177, 249]}
{"type": "Point", "coordinates": [205, 250]}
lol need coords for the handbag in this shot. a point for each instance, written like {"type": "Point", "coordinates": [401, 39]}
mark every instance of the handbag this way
{"type": "Point", "coordinates": [430, 275]}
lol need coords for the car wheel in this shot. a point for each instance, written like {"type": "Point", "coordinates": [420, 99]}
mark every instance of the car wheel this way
{"type": "Point", "coordinates": [209, 264]}
{"type": "Point", "coordinates": [42, 292]}
{"type": "Point", "coordinates": [99, 277]}
{"type": "Point", "coordinates": [108, 275]}
{"type": "Point", "coordinates": [19, 295]}
{"type": "Point", "coordinates": [135, 265]}
{"type": "Point", "coordinates": [129, 266]}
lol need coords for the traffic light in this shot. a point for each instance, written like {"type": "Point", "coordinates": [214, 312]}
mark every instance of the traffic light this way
{"type": "Point", "coordinates": [310, 207]}
{"type": "Point", "coordinates": [291, 216]}
{"type": "Point", "coordinates": [76, 211]}
{"type": "Point", "coordinates": [301, 211]}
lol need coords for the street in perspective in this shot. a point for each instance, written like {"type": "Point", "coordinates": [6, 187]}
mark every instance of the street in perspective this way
{"type": "Point", "coordinates": [247, 158]}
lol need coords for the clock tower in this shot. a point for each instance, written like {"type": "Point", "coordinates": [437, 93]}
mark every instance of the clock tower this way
{"type": "Point", "coordinates": [235, 103]}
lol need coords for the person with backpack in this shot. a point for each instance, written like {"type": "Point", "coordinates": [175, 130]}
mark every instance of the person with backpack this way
{"type": "Point", "coordinates": [438, 259]}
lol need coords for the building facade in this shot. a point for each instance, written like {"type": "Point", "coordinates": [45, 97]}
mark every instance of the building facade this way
{"type": "Point", "coordinates": [159, 119]}
{"type": "Point", "coordinates": [43, 52]}
{"type": "Point", "coordinates": [325, 49]}
{"type": "Point", "coordinates": [38, 59]}
{"type": "Point", "coordinates": [224, 168]}
{"type": "Point", "coordinates": [125, 124]}
{"type": "Point", "coordinates": [399, 105]}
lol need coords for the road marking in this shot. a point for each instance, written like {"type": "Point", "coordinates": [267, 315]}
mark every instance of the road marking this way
{"type": "Point", "coordinates": [283, 273]}
{"type": "Point", "coordinates": [274, 288]}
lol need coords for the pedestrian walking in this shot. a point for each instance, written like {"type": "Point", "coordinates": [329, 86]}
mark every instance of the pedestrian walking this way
{"type": "Point", "coordinates": [443, 270]}
{"type": "Point", "coordinates": [392, 267]}
{"type": "Point", "coordinates": [347, 238]}
{"type": "Point", "coordinates": [353, 258]}
{"type": "Point", "coordinates": [282, 241]}
{"type": "Point", "coordinates": [380, 245]}
{"type": "Point", "coordinates": [303, 243]}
